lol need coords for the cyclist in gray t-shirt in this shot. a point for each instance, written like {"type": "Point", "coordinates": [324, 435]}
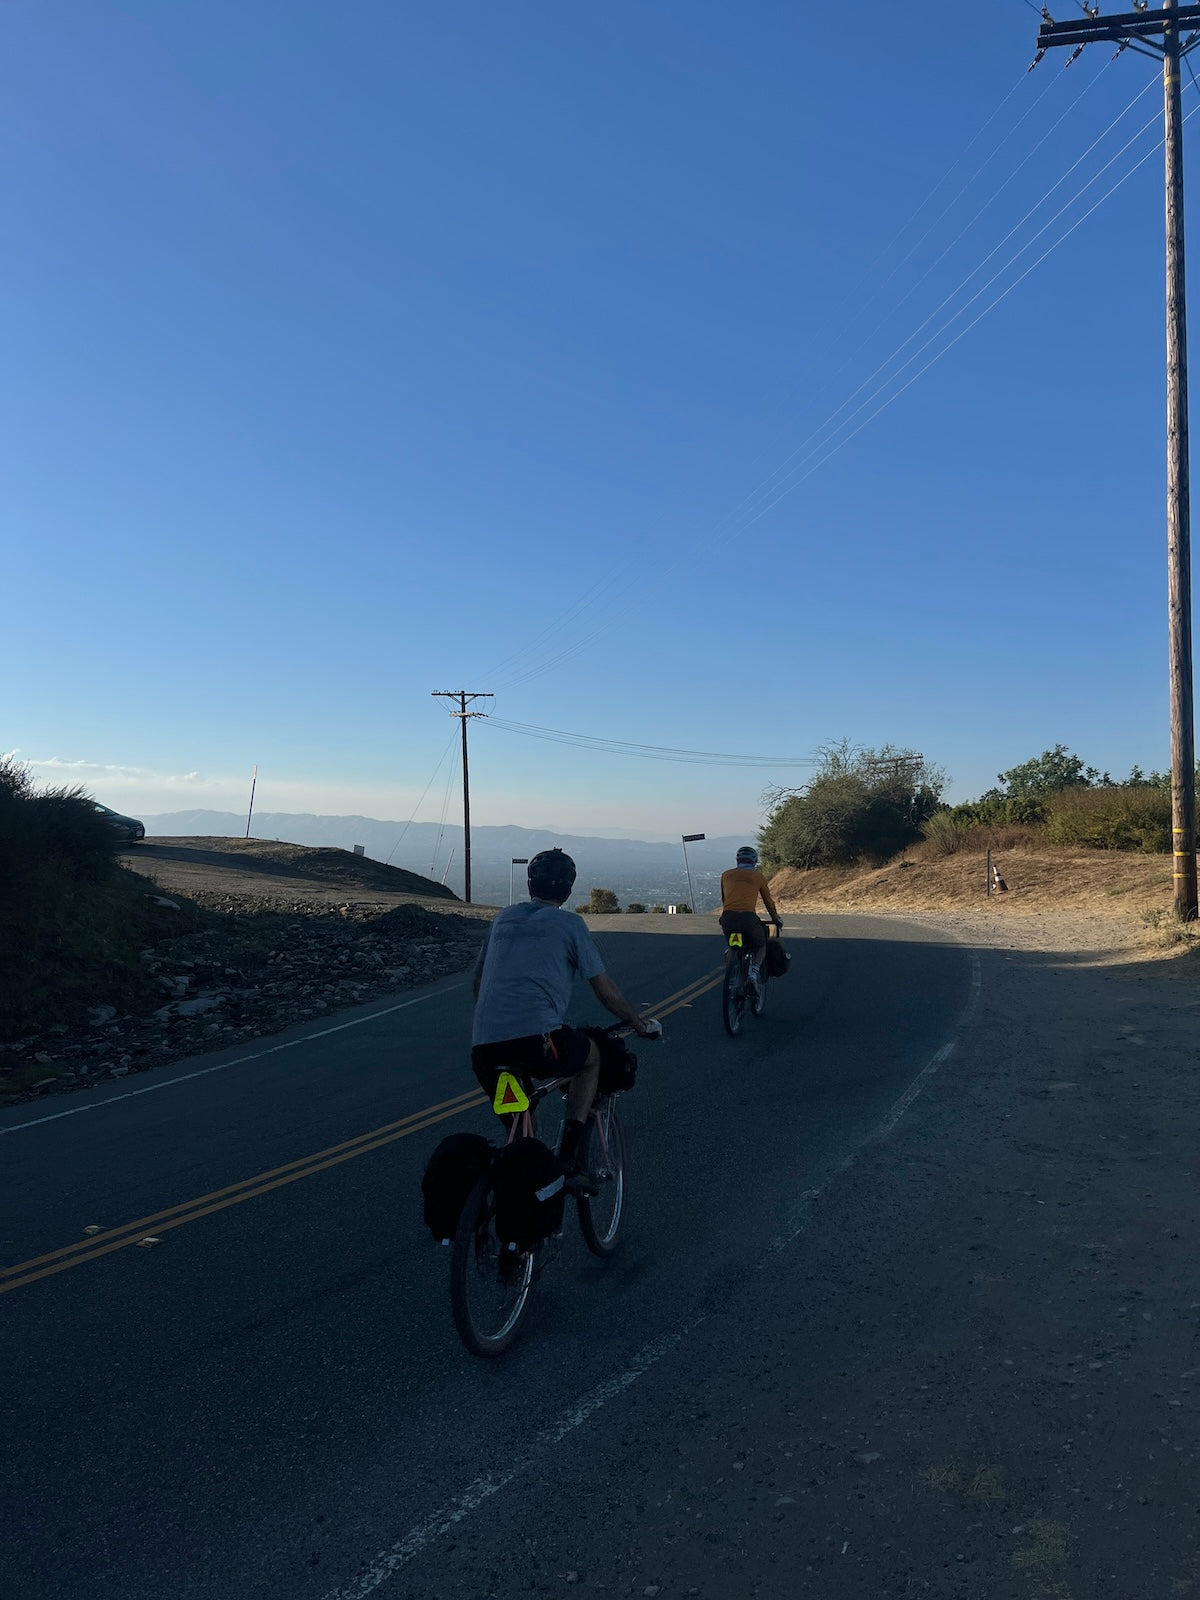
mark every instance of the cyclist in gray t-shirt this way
{"type": "Point", "coordinates": [523, 981]}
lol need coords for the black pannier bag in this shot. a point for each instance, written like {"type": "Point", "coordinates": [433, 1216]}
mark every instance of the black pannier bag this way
{"type": "Point", "coordinates": [777, 958]}
{"type": "Point", "coordinates": [618, 1066]}
{"type": "Point", "coordinates": [454, 1169]}
{"type": "Point", "coordinates": [528, 1185]}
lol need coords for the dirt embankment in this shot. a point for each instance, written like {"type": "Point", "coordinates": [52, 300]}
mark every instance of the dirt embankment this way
{"type": "Point", "coordinates": [1099, 900]}
{"type": "Point", "coordinates": [244, 938]}
{"type": "Point", "coordinates": [279, 874]}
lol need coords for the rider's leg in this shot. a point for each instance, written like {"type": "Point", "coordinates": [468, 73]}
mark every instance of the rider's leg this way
{"type": "Point", "coordinates": [584, 1085]}
{"type": "Point", "coordinates": [580, 1095]}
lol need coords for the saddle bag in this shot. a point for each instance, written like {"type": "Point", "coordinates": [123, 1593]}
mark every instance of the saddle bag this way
{"type": "Point", "coordinates": [618, 1066]}
{"type": "Point", "coordinates": [777, 958]}
{"type": "Point", "coordinates": [528, 1185]}
{"type": "Point", "coordinates": [454, 1169]}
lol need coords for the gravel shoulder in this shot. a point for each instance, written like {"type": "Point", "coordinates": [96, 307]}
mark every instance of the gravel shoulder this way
{"type": "Point", "coordinates": [976, 1373]}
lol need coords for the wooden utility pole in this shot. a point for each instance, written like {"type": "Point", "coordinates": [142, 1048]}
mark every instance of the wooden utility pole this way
{"type": "Point", "coordinates": [1161, 33]}
{"type": "Point", "coordinates": [464, 698]}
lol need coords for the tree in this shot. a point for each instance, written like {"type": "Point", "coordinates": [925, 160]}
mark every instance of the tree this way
{"type": "Point", "coordinates": [862, 803]}
{"type": "Point", "coordinates": [603, 903]}
{"type": "Point", "coordinates": [634, 907]}
{"type": "Point", "coordinates": [1049, 773]}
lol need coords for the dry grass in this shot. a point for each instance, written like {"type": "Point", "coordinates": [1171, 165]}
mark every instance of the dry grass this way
{"type": "Point", "coordinates": [1100, 882]}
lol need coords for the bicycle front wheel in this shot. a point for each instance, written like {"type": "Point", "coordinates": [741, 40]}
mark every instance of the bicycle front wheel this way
{"type": "Point", "coordinates": [489, 1285]}
{"type": "Point", "coordinates": [601, 1214]}
{"type": "Point", "coordinates": [733, 997]}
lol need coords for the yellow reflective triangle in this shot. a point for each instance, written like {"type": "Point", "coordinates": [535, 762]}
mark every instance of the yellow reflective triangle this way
{"type": "Point", "coordinates": [509, 1096]}
{"type": "Point", "coordinates": [735, 940]}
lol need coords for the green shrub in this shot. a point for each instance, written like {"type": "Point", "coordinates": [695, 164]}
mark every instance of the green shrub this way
{"type": "Point", "coordinates": [1116, 818]}
{"type": "Point", "coordinates": [603, 903]}
{"type": "Point", "coordinates": [942, 834]}
{"type": "Point", "coordinates": [67, 933]}
{"type": "Point", "coordinates": [659, 910]}
{"type": "Point", "coordinates": [862, 805]}
{"type": "Point", "coordinates": [634, 907]}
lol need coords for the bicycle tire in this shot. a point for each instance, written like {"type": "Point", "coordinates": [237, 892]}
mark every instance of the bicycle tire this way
{"type": "Point", "coordinates": [733, 998]}
{"type": "Point", "coordinates": [488, 1309]}
{"type": "Point", "coordinates": [601, 1215]}
{"type": "Point", "coordinates": [758, 1002]}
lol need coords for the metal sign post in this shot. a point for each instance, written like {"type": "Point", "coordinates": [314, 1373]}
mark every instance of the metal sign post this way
{"type": "Point", "coordinates": [253, 786]}
{"type": "Point", "coordinates": [517, 861]}
{"type": "Point", "coordinates": [690, 838]}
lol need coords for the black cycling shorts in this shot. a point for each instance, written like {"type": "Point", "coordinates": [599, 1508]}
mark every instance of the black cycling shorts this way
{"type": "Point", "coordinates": [560, 1054]}
{"type": "Point", "coordinates": [750, 926]}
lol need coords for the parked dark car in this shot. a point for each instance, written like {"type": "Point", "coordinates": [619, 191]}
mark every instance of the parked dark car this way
{"type": "Point", "coordinates": [129, 828]}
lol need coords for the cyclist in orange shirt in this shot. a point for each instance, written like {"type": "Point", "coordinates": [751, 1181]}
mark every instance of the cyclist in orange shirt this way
{"type": "Point", "coordinates": [741, 887]}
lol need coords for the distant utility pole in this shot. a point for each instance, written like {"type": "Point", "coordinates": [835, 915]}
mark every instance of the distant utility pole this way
{"type": "Point", "coordinates": [464, 698]}
{"type": "Point", "coordinates": [1159, 34]}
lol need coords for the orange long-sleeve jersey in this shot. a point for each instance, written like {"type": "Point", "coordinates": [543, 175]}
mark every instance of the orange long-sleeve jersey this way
{"type": "Point", "coordinates": [740, 889]}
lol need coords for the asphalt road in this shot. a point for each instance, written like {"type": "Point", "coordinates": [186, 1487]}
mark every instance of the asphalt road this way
{"type": "Point", "coordinates": [271, 1400]}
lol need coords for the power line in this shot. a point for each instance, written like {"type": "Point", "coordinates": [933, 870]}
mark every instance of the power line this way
{"type": "Point", "coordinates": [646, 752]}
{"type": "Point", "coordinates": [420, 802]}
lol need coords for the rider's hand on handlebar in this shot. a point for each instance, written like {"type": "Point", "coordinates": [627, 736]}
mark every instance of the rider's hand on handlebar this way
{"type": "Point", "coordinates": [649, 1029]}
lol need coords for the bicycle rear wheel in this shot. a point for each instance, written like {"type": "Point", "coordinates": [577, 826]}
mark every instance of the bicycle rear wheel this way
{"type": "Point", "coordinates": [733, 997]}
{"type": "Point", "coordinates": [601, 1215]}
{"type": "Point", "coordinates": [759, 1000]}
{"type": "Point", "coordinates": [489, 1285]}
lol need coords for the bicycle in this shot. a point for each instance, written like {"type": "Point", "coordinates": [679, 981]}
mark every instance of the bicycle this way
{"type": "Point", "coordinates": [736, 989]}
{"type": "Point", "coordinates": [490, 1285]}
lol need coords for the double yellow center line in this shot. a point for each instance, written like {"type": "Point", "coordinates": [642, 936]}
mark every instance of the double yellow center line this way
{"type": "Point", "coordinates": [160, 1222]}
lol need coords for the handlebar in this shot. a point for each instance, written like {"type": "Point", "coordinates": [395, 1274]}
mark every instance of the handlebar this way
{"type": "Point", "coordinates": [626, 1030]}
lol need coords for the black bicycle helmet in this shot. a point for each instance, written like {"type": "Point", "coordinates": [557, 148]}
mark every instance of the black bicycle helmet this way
{"type": "Point", "coordinates": [747, 856]}
{"type": "Point", "coordinates": [551, 875]}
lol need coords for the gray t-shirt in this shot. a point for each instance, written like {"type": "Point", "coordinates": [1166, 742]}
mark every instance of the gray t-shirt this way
{"type": "Point", "coordinates": [526, 969]}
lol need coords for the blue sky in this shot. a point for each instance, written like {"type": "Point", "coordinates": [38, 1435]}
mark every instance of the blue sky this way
{"type": "Point", "coordinates": [357, 352]}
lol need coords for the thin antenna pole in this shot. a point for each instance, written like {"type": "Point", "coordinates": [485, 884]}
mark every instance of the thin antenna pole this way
{"type": "Point", "coordinates": [253, 786]}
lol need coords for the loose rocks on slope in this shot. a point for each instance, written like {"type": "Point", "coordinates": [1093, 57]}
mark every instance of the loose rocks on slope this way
{"type": "Point", "coordinates": [239, 969]}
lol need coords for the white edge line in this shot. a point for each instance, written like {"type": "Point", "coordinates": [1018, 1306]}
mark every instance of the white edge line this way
{"type": "Point", "coordinates": [389, 1561]}
{"type": "Point", "coordinates": [203, 1072]}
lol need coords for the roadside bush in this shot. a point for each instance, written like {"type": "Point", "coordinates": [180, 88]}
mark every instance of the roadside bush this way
{"type": "Point", "coordinates": [863, 805]}
{"type": "Point", "coordinates": [603, 903]}
{"type": "Point", "coordinates": [942, 834]}
{"type": "Point", "coordinates": [64, 933]}
{"type": "Point", "coordinates": [635, 906]}
{"type": "Point", "coordinates": [1116, 818]}
{"type": "Point", "coordinates": [659, 910]}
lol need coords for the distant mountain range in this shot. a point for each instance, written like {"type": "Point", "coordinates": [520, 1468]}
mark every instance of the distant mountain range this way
{"type": "Point", "coordinates": [635, 869]}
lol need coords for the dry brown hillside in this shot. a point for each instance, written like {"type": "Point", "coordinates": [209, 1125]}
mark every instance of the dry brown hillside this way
{"type": "Point", "coordinates": [1039, 880]}
{"type": "Point", "coordinates": [283, 874]}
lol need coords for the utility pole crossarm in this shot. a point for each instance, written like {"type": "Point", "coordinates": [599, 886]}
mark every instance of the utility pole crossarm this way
{"type": "Point", "coordinates": [465, 697]}
{"type": "Point", "coordinates": [1124, 25]}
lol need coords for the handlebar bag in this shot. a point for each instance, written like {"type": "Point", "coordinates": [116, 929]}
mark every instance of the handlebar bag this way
{"type": "Point", "coordinates": [528, 1184]}
{"type": "Point", "coordinates": [454, 1169]}
{"type": "Point", "coordinates": [618, 1065]}
{"type": "Point", "coordinates": [777, 958]}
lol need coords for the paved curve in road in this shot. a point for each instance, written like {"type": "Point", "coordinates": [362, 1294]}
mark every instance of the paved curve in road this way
{"type": "Point", "coordinates": [271, 1401]}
